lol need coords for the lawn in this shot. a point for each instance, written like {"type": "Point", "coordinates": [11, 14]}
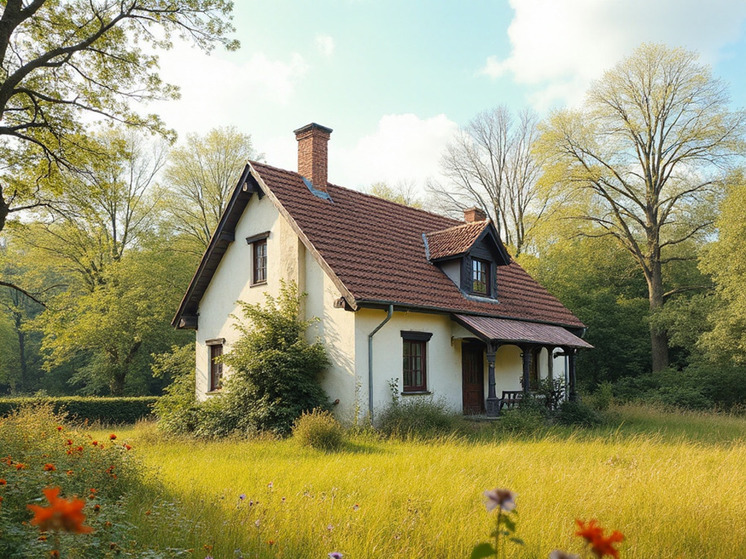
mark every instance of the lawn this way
{"type": "Point", "coordinates": [674, 484]}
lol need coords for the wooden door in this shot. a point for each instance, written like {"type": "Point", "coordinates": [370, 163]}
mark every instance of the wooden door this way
{"type": "Point", "coordinates": [472, 371]}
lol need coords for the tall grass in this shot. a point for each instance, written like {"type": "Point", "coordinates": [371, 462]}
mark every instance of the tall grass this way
{"type": "Point", "coordinates": [674, 485]}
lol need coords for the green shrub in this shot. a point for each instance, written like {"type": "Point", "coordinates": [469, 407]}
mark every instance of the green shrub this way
{"type": "Point", "coordinates": [602, 398]}
{"type": "Point", "coordinates": [88, 408]}
{"type": "Point", "coordinates": [40, 451]}
{"type": "Point", "coordinates": [319, 429]}
{"type": "Point", "coordinates": [529, 417]}
{"type": "Point", "coordinates": [579, 414]}
{"type": "Point", "coordinates": [418, 416]}
{"type": "Point", "coordinates": [177, 410]}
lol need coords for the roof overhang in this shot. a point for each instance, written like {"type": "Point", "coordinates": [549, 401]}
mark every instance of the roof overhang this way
{"type": "Point", "coordinates": [501, 330]}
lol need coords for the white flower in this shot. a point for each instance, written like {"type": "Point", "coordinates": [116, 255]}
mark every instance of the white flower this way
{"type": "Point", "coordinates": [503, 498]}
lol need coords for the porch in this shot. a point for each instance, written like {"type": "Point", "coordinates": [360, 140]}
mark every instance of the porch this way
{"type": "Point", "coordinates": [484, 336]}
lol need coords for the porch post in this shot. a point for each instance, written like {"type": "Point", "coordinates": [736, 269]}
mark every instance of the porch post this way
{"type": "Point", "coordinates": [571, 352]}
{"type": "Point", "coordinates": [526, 369]}
{"type": "Point", "coordinates": [492, 405]}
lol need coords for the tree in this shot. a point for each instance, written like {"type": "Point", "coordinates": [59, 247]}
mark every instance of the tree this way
{"type": "Point", "coordinates": [642, 160]}
{"type": "Point", "coordinates": [201, 176]}
{"type": "Point", "coordinates": [490, 164]}
{"type": "Point", "coordinates": [403, 192]}
{"type": "Point", "coordinates": [64, 64]}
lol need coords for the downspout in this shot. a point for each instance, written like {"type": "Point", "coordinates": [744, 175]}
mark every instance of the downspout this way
{"type": "Point", "coordinates": [389, 313]}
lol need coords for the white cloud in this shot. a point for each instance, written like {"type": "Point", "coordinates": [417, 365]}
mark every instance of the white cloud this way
{"type": "Point", "coordinates": [561, 46]}
{"type": "Point", "coordinates": [403, 147]}
{"type": "Point", "coordinates": [325, 45]}
{"type": "Point", "coordinates": [219, 90]}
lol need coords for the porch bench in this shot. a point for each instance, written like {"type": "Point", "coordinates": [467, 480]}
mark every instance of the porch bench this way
{"type": "Point", "coordinates": [510, 398]}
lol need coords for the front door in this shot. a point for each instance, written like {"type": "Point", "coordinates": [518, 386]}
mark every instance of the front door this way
{"type": "Point", "coordinates": [472, 371]}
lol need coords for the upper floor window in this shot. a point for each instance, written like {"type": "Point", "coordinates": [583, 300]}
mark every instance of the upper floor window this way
{"type": "Point", "coordinates": [260, 261]}
{"type": "Point", "coordinates": [258, 245]}
{"type": "Point", "coordinates": [480, 273]}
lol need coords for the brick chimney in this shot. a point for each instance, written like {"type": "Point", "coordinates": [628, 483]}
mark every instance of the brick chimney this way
{"type": "Point", "coordinates": [312, 153]}
{"type": "Point", "coordinates": [474, 214]}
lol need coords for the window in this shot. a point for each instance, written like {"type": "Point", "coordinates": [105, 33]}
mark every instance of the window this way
{"type": "Point", "coordinates": [414, 364]}
{"type": "Point", "coordinates": [216, 366]}
{"type": "Point", "coordinates": [480, 276]}
{"type": "Point", "coordinates": [258, 258]}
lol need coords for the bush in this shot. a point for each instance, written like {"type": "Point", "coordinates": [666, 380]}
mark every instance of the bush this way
{"type": "Point", "coordinates": [602, 398]}
{"type": "Point", "coordinates": [88, 408]}
{"type": "Point", "coordinates": [529, 417]}
{"type": "Point", "coordinates": [418, 416]}
{"type": "Point", "coordinates": [40, 451]}
{"type": "Point", "coordinates": [578, 413]}
{"type": "Point", "coordinates": [319, 429]}
{"type": "Point", "coordinates": [177, 409]}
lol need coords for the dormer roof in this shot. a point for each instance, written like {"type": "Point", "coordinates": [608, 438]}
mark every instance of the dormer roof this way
{"type": "Point", "coordinates": [458, 240]}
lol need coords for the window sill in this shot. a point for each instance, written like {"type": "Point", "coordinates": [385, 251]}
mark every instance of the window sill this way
{"type": "Point", "coordinates": [214, 392]}
{"type": "Point", "coordinates": [257, 284]}
{"type": "Point", "coordinates": [416, 393]}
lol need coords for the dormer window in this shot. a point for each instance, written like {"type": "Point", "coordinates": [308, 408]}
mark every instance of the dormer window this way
{"type": "Point", "coordinates": [480, 274]}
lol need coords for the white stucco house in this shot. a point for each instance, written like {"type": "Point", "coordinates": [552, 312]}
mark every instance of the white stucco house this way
{"type": "Point", "coordinates": [401, 294]}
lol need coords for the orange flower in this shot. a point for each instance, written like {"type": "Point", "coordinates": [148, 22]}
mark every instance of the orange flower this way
{"type": "Point", "coordinates": [20, 466]}
{"type": "Point", "coordinates": [49, 467]}
{"type": "Point", "coordinates": [69, 442]}
{"type": "Point", "coordinates": [112, 437]}
{"type": "Point", "coordinates": [3, 482]}
{"type": "Point", "coordinates": [59, 427]}
{"type": "Point", "coordinates": [128, 447]}
{"type": "Point", "coordinates": [600, 545]}
{"type": "Point", "coordinates": [69, 472]}
{"type": "Point", "coordinates": [54, 554]}
{"type": "Point", "coordinates": [61, 514]}
{"type": "Point", "coordinates": [94, 443]}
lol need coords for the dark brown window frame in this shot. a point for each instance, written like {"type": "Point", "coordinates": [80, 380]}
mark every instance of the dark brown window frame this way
{"type": "Point", "coordinates": [484, 274]}
{"type": "Point", "coordinates": [258, 269]}
{"type": "Point", "coordinates": [409, 372]}
{"type": "Point", "coordinates": [215, 349]}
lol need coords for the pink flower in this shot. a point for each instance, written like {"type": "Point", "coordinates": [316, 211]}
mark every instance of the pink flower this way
{"type": "Point", "coordinates": [502, 498]}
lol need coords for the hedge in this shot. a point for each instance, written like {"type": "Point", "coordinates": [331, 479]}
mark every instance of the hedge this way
{"type": "Point", "coordinates": [89, 408]}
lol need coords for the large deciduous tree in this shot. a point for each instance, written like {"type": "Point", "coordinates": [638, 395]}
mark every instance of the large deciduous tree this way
{"type": "Point", "coordinates": [490, 164]}
{"type": "Point", "coordinates": [201, 176]}
{"type": "Point", "coordinates": [66, 63]}
{"type": "Point", "coordinates": [643, 157]}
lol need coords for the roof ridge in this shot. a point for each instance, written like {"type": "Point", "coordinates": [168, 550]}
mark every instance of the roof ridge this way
{"type": "Point", "coordinates": [483, 223]}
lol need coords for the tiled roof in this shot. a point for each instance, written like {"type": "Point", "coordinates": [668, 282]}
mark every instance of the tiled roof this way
{"type": "Point", "coordinates": [454, 240]}
{"type": "Point", "coordinates": [514, 331]}
{"type": "Point", "coordinates": [375, 248]}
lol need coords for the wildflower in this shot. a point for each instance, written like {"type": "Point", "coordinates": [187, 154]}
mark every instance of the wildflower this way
{"type": "Point", "coordinates": [94, 443]}
{"type": "Point", "coordinates": [335, 555]}
{"type": "Point", "coordinates": [69, 442]}
{"type": "Point", "coordinates": [270, 542]}
{"type": "Point", "coordinates": [61, 514]}
{"type": "Point", "coordinates": [127, 447]}
{"type": "Point", "coordinates": [355, 506]}
{"type": "Point", "coordinates": [559, 554]}
{"type": "Point", "coordinates": [594, 534]}
{"type": "Point", "coordinates": [147, 513]}
{"type": "Point", "coordinates": [96, 507]}
{"type": "Point", "coordinates": [112, 437]}
{"type": "Point", "coordinates": [270, 485]}
{"type": "Point", "coordinates": [3, 482]}
{"type": "Point", "coordinates": [54, 554]}
{"type": "Point", "coordinates": [49, 467]}
{"type": "Point", "coordinates": [69, 472]}
{"type": "Point", "coordinates": [42, 538]}
{"type": "Point", "coordinates": [242, 496]}
{"type": "Point", "coordinates": [20, 466]}
{"type": "Point", "coordinates": [79, 449]}
{"type": "Point", "coordinates": [502, 498]}
{"type": "Point", "coordinates": [59, 427]}
{"type": "Point", "coordinates": [330, 527]}
{"type": "Point", "coordinates": [207, 547]}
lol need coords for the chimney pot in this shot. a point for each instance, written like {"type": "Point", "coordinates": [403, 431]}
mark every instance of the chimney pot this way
{"type": "Point", "coordinates": [313, 154]}
{"type": "Point", "coordinates": [474, 214]}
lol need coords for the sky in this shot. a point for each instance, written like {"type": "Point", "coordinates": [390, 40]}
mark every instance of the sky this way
{"type": "Point", "coordinates": [395, 79]}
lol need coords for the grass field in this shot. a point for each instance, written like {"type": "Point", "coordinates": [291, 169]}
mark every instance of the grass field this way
{"type": "Point", "coordinates": [674, 484]}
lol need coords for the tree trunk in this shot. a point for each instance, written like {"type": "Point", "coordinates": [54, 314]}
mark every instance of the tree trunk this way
{"type": "Point", "coordinates": [4, 209]}
{"type": "Point", "coordinates": [116, 385]}
{"type": "Point", "coordinates": [25, 381]}
{"type": "Point", "coordinates": [658, 338]}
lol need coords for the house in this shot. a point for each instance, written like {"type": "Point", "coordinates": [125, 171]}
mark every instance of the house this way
{"type": "Point", "coordinates": [435, 306]}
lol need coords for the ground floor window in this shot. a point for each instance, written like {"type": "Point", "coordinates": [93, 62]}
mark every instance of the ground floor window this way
{"type": "Point", "coordinates": [414, 364]}
{"type": "Point", "coordinates": [215, 348]}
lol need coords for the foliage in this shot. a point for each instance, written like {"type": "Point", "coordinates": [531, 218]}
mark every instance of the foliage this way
{"type": "Point", "coordinates": [403, 192]}
{"type": "Point", "coordinates": [200, 176]}
{"type": "Point", "coordinates": [528, 418]}
{"type": "Point", "coordinates": [66, 64]}
{"type": "Point", "coordinates": [490, 164]}
{"type": "Point", "coordinates": [602, 398]}
{"type": "Point", "coordinates": [577, 413]}
{"type": "Point", "coordinates": [40, 452]}
{"type": "Point", "coordinates": [176, 410]}
{"type": "Point", "coordinates": [87, 408]}
{"type": "Point", "coordinates": [640, 161]}
{"type": "Point", "coordinates": [274, 371]}
{"type": "Point", "coordinates": [319, 429]}
{"type": "Point", "coordinates": [417, 416]}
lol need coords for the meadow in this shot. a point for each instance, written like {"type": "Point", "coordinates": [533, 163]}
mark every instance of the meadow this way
{"type": "Point", "coordinates": [674, 484]}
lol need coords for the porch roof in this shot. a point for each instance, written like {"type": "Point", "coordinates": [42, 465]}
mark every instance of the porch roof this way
{"type": "Point", "coordinates": [517, 332]}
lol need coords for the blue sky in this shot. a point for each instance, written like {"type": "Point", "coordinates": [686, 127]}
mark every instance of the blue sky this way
{"type": "Point", "coordinates": [395, 79]}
